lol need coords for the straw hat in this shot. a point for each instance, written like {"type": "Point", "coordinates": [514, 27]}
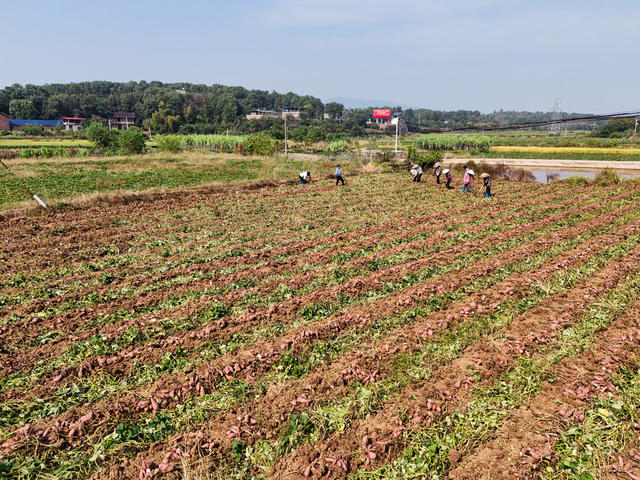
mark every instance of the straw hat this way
{"type": "Point", "coordinates": [471, 172]}
{"type": "Point", "coordinates": [485, 175]}
{"type": "Point", "coordinates": [437, 164]}
{"type": "Point", "coordinates": [446, 170]}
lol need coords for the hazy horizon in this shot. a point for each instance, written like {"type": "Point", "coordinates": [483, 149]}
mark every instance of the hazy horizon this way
{"type": "Point", "coordinates": [484, 55]}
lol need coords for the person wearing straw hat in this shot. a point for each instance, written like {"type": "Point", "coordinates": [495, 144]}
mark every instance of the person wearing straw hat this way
{"type": "Point", "coordinates": [438, 171]}
{"type": "Point", "coordinates": [416, 171]}
{"type": "Point", "coordinates": [447, 175]}
{"type": "Point", "coordinates": [466, 181]}
{"type": "Point", "coordinates": [486, 183]}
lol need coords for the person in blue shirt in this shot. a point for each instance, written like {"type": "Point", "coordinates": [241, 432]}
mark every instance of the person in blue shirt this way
{"type": "Point", "coordinates": [339, 174]}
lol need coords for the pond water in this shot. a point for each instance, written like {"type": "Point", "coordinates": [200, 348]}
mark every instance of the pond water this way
{"type": "Point", "coordinates": [541, 173]}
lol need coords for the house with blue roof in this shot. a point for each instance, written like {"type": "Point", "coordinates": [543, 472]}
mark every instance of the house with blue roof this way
{"type": "Point", "coordinates": [15, 125]}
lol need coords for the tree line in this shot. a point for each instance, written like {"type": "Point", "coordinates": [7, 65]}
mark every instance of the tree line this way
{"type": "Point", "coordinates": [197, 108]}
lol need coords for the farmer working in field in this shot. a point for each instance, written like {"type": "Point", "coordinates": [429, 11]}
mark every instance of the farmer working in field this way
{"type": "Point", "coordinates": [438, 172]}
{"type": "Point", "coordinates": [305, 177]}
{"type": "Point", "coordinates": [486, 182]}
{"type": "Point", "coordinates": [416, 171]}
{"type": "Point", "coordinates": [339, 174]}
{"type": "Point", "coordinates": [466, 181]}
{"type": "Point", "coordinates": [447, 175]}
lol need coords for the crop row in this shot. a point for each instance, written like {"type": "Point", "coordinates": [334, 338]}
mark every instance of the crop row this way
{"type": "Point", "coordinates": [278, 360]}
{"type": "Point", "coordinates": [453, 142]}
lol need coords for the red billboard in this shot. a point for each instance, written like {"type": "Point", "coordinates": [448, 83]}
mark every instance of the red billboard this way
{"type": "Point", "coordinates": [381, 113]}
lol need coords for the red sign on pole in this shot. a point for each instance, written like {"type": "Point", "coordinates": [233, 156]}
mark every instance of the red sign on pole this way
{"type": "Point", "coordinates": [381, 113]}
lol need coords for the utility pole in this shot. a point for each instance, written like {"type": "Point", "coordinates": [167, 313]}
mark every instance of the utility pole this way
{"type": "Point", "coordinates": [396, 120]}
{"type": "Point", "coordinates": [635, 128]}
{"type": "Point", "coordinates": [396, 139]}
{"type": "Point", "coordinates": [284, 114]}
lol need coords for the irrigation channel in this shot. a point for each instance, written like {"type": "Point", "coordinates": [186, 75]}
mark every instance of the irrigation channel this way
{"type": "Point", "coordinates": [544, 174]}
{"type": "Point", "coordinates": [545, 169]}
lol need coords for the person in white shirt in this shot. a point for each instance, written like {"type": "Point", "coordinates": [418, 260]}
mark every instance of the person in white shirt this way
{"type": "Point", "coordinates": [305, 177]}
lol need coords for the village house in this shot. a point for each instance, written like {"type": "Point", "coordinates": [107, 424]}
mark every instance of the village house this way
{"type": "Point", "coordinates": [122, 120]}
{"type": "Point", "coordinates": [72, 123]}
{"type": "Point", "coordinates": [258, 114]}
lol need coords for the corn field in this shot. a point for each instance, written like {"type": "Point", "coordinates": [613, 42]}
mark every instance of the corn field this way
{"type": "Point", "coordinates": [221, 143]}
{"type": "Point", "coordinates": [453, 142]}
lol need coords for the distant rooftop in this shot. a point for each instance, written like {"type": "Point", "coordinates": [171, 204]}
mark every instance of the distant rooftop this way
{"type": "Point", "coordinates": [42, 123]}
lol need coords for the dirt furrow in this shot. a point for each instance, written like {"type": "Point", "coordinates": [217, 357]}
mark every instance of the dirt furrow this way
{"type": "Point", "coordinates": [448, 387]}
{"type": "Point", "coordinates": [51, 349]}
{"type": "Point", "coordinates": [471, 273]}
{"type": "Point", "coordinates": [523, 443]}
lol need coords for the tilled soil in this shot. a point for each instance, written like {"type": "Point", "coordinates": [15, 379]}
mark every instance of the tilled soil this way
{"type": "Point", "coordinates": [322, 334]}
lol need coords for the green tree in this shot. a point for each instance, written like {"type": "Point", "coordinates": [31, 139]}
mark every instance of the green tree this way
{"type": "Point", "coordinates": [276, 131]}
{"type": "Point", "coordinates": [22, 109]}
{"type": "Point", "coordinates": [299, 134]}
{"type": "Point", "coordinates": [617, 125]}
{"type": "Point", "coordinates": [314, 134]}
{"type": "Point", "coordinates": [259, 144]}
{"type": "Point", "coordinates": [132, 141]}
{"type": "Point", "coordinates": [308, 112]}
{"type": "Point", "coordinates": [102, 137]}
{"type": "Point", "coordinates": [162, 121]}
{"type": "Point", "coordinates": [334, 110]}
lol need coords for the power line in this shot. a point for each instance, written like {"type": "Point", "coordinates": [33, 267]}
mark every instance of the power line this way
{"type": "Point", "coordinates": [543, 123]}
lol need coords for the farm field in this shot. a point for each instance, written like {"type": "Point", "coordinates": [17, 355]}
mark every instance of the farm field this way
{"type": "Point", "coordinates": [13, 142]}
{"type": "Point", "coordinates": [61, 180]}
{"type": "Point", "coordinates": [561, 150]}
{"type": "Point", "coordinates": [386, 329]}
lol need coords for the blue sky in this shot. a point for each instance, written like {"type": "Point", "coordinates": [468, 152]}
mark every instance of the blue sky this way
{"type": "Point", "coordinates": [481, 54]}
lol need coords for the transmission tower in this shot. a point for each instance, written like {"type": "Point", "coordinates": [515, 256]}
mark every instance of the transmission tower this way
{"type": "Point", "coordinates": [555, 127]}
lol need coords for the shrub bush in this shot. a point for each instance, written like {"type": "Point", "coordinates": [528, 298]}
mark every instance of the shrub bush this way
{"type": "Point", "coordinates": [606, 177]}
{"type": "Point", "coordinates": [132, 141]}
{"type": "Point", "coordinates": [169, 143]}
{"type": "Point", "coordinates": [103, 138]}
{"type": "Point", "coordinates": [259, 144]}
{"type": "Point", "coordinates": [338, 146]}
{"type": "Point", "coordinates": [577, 180]}
{"type": "Point", "coordinates": [32, 130]}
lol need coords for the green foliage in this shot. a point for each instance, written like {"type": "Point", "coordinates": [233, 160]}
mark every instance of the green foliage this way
{"type": "Point", "coordinates": [220, 143]}
{"type": "Point", "coordinates": [32, 130]}
{"type": "Point", "coordinates": [577, 180]}
{"type": "Point", "coordinates": [298, 428]}
{"type": "Point", "coordinates": [606, 177]}
{"type": "Point", "coordinates": [259, 144]}
{"type": "Point", "coordinates": [103, 138]}
{"type": "Point", "coordinates": [617, 128]}
{"type": "Point", "coordinates": [132, 141]}
{"type": "Point", "coordinates": [22, 109]}
{"type": "Point", "coordinates": [454, 142]}
{"type": "Point", "coordinates": [238, 448]}
{"type": "Point", "coordinates": [334, 110]}
{"type": "Point", "coordinates": [338, 146]}
{"type": "Point", "coordinates": [427, 160]}
{"type": "Point", "coordinates": [169, 143]}
{"type": "Point", "coordinates": [162, 121]}
{"type": "Point", "coordinates": [217, 311]}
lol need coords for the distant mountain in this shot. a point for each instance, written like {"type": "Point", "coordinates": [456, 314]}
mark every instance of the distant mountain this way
{"type": "Point", "coordinates": [364, 103]}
